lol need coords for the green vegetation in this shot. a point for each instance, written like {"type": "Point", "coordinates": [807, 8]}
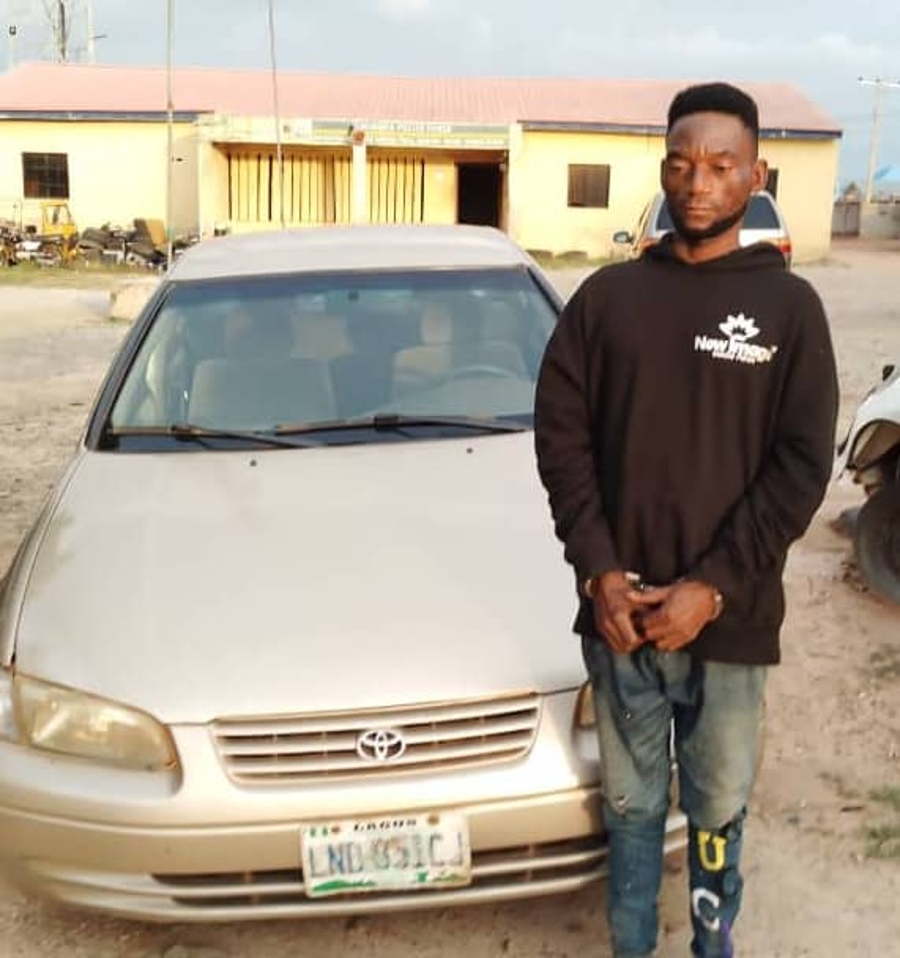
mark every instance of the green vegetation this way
{"type": "Point", "coordinates": [80, 276]}
{"type": "Point", "coordinates": [573, 259]}
{"type": "Point", "coordinates": [883, 841]}
{"type": "Point", "coordinates": [888, 795]}
{"type": "Point", "coordinates": [885, 663]}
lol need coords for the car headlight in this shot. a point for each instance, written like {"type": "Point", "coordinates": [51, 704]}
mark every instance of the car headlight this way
{"type": "Point", "coordinates": [59, 719]}
{"type": "Point", "coordinates": [585, 717]}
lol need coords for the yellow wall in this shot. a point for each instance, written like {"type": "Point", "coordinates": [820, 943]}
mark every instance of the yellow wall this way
{"type": "Point", "coordinates": [541, 219]}
{"type": "Point", "coordinates": [117, 171]}
{"type": "Point", "coordinates": [807, 172]}
{"type": "Point", "coordinates": [440, 189]}
{"type": "Point", "coordinates": [539, 184]}
{"type": "Point", "coordinates": [213, 188]}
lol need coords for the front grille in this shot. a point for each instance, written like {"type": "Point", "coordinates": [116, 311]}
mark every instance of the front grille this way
{"type": "Point", "coordinates": [545, 864]}
{"type": "Point", "coordinates": [313, 747]}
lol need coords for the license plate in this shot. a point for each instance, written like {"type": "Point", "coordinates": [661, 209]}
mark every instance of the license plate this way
{"type": "Point", "coordinates": [404, 853]}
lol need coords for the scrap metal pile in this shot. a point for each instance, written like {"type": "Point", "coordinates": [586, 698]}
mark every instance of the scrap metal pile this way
{"type": "Point", "coordinates": [56, 241]}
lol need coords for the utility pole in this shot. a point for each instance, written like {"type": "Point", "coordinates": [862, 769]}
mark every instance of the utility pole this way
{"type": "Point", "coordinates": [279, 152]}
{"type": "Point", "coordinates": [880, 86]}
{"type": "Point", "coordinates": [91, 49]}
{"type": "Point", "coordinates": [58, 18]}
{"type": "Point", "coordinates": [170, 159]}
{"type": "Point", "coordinates": [61, 31]}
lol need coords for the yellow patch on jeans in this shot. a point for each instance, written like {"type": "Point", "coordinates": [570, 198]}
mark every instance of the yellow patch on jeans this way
{"type": "Point", "coordinates": [706, 841]}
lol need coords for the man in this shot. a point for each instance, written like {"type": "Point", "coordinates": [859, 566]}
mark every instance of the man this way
{"type": "Point", "coordinates": [684, 428]}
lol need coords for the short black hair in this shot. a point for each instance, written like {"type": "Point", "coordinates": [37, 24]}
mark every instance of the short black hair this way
{"type": "Point", "coordinates": [716, 98]}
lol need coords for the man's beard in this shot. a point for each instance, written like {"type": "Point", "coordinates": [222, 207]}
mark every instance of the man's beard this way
{"type": "Point", "coordinates": [692, 236]}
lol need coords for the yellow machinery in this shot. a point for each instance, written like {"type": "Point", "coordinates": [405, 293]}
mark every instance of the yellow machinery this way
{"type": "Point", "coordinates": [57, 233]}
{"type": "Point", "coordinates": [48, 233]}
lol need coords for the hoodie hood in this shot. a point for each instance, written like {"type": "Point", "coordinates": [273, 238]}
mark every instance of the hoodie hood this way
{"type": "Point", "coordinates": [757, 256]}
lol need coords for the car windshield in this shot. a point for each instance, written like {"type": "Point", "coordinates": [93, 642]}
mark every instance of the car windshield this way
{"type": "Point", "coordinates": [272, 354]}
{"type": "Point", "coordinates": [760, 215]}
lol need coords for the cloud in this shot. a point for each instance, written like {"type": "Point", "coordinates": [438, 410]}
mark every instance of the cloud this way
{"type": "Point", "coordinates": [403, 9]}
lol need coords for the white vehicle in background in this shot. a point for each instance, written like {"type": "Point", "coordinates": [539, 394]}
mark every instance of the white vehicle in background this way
{"type": "Point", "coordinates": [871, 453]}
{"type": "Point", "coordinates": [763, 222]}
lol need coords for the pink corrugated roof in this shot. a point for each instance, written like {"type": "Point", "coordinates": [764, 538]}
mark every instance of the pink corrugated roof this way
{"type": "Point", "coordinates": [80, 88]}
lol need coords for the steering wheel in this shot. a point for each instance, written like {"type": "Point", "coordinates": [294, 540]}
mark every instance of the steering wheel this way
{"type": "Point", "coordinates": [478, 369]}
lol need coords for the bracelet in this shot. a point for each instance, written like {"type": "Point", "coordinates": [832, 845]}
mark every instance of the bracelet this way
{"type": "Point", "coordinates": [719, 602]}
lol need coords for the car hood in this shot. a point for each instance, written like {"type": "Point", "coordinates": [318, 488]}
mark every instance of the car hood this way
{"type": "Point", "coordinates": [197, 585]}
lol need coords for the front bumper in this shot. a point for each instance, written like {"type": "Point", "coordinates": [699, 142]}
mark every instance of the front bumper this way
{"type": "Point", "coordinates": [531, 846]}
{"type": "Point", "coordinates": [197, 846]}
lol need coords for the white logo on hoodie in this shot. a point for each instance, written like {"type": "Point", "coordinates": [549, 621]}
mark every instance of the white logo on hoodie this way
{"type": "Point", "coordinates": [736, 348]}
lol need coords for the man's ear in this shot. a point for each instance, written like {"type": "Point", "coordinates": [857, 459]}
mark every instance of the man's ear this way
{"type": "Point", "coordinates": [662, 171]}
{"type": "Point", "coordinates": [760, 175]}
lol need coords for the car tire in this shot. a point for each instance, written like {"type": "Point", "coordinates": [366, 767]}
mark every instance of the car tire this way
{"type": "Point", "coordinates": [878, 541]}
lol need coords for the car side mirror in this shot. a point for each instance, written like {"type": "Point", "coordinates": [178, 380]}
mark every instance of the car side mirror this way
{"type": "Point", "coordinates": [623, 237]}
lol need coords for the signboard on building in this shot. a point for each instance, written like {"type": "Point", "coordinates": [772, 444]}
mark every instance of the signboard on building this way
{"type": "Point", "coordinates": [385, 133]}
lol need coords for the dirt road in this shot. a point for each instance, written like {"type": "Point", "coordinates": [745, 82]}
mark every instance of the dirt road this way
{"type": "Point", "coordinates": [823, 843]}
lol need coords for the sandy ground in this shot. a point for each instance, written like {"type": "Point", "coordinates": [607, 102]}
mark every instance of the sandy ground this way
{"type": "Point", "coordinates": [830, 783]}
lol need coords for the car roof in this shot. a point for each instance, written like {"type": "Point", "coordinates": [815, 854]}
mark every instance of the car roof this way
{"type": "Point", "coordinates": [348, 248]}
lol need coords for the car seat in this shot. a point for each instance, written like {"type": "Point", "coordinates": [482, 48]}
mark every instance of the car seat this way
{"type": "Point", "coordinates": [259, 393]}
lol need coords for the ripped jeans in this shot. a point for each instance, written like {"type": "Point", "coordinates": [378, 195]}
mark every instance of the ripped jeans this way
{"type": "Point", "coordinates": [716, 709]}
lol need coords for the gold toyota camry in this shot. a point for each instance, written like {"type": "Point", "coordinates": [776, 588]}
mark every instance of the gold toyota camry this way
{"type": "Point", "coordinates": [290, 636]}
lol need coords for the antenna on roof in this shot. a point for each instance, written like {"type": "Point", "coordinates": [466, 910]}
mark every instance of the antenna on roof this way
{"type": "Point", "coordinates": [270, 9]}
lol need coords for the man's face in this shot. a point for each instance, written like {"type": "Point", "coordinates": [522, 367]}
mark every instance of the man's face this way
{"type": "Point", "coordinates": [710, 170]}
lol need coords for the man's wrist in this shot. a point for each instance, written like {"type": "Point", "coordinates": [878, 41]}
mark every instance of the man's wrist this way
{"type": "Point", "coordinates": [591, 585]}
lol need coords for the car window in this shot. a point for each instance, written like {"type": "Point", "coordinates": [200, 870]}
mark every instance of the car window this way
{"type": "Point", "coordinates": [663, 219]}
{"type": "Point", "coordinates": [258, 353]}
{"type": "Point", "coordinates": [761, 215]}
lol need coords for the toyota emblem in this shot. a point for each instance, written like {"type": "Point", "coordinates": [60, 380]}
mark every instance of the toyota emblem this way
{"type": "Point", "coordinates": [380, 745]}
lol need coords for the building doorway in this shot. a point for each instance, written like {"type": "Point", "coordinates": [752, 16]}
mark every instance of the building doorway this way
{"type": "Point", "coordinates": [479, 189]}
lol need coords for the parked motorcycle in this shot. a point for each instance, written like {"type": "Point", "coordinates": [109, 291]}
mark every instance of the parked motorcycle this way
{"type": "Point", "coordinates": [871, 453]}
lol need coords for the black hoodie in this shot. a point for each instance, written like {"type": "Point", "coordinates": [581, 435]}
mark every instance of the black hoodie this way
{"type": "Point", "coordinates": [684, 426]}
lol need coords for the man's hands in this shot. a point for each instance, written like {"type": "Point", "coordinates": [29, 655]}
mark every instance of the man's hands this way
{"type": "Point", "coordinates": [670, 617]}
{"type": "Point", "coordinates": [616, 612]}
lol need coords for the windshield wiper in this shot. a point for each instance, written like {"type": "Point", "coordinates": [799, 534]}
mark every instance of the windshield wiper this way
{"type": "Point", "coordinates": [390, 421]}
{"type": "Point", "coordinates": [189, 431]}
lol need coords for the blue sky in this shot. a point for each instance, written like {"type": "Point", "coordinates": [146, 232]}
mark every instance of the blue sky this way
{"type": "Point", "coordinates": [822, 46]}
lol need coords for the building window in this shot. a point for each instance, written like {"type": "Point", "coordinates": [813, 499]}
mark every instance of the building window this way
{"type": "Point", "coordinates": [589, 186]}
{"type": "Point", "coordinates": [772, 183]}
{"type": "Point", "coordinates": [46, 176]}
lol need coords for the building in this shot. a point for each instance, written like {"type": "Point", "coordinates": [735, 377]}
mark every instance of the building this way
{"type": "Point", "coordinates": [560, 164]}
